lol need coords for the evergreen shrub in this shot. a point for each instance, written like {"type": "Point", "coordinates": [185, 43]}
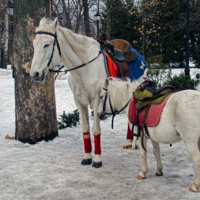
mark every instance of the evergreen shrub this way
{"type": "Point", "coordinates": [68, 120]}
{"type": "Point", "coordinates": [182, 82]}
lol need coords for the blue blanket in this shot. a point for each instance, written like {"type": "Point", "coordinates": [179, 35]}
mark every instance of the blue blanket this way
{"type": "Point", "coordinates": [137, 66]}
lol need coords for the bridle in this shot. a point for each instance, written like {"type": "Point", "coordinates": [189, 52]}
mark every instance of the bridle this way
{"type": "Point", "coordinates": [58, 46]}
{"type": "Point", "coordinates": [113, 112]}
{"type": "Point", "coordinates": [54, 43]}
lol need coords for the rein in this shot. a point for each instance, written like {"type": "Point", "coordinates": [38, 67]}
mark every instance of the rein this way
{"type": "Point", "coordinates": [58, 46]}
{"type": "Point", "coordinates": [65, 71]}
{"type": "Point", "coordinates": [113, 112]}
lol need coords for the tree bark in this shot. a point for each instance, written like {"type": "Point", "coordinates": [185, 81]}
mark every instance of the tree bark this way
{"type": "Point", "coordinates": [35, 109]}
{"type": "Point", "coordinates": [86, 18]}
{"type": "Point", "coordinates": [108, 23]}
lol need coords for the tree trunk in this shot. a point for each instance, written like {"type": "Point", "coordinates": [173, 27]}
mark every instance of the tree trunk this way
{"type": "Point", "coordinates": [108, 24]}
{"type": "Point", "coordinates": [35, 109]}
{"type": "Point", "coordinates": [86, 18]}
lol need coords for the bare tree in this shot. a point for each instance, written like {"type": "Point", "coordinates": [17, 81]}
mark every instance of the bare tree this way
{"type": "Point", "coordinates": [76, 15]}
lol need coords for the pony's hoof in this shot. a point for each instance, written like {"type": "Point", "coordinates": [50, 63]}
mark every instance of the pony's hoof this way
{"type": "Point", "coordinates": [86, 162]}
{"type": "Point", "coordinates": [97, 164]}
{"type": "Point", "coordinates": [140, 177]}
{"type": "Point", "coordinates": [128, 146]}
{"type": "Point", "coordinates": [159, 173]}
{"type": "Point", "coordinates": [193, 189]}
{"type": "Point", "coordinates": [137, 147]}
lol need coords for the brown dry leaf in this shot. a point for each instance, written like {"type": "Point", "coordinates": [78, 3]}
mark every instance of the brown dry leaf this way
{"type": "Point", "coordinates": [8, 137]}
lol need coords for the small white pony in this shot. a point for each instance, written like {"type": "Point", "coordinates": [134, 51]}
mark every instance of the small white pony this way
{"type": "Point", "coordinates": [179, 121]}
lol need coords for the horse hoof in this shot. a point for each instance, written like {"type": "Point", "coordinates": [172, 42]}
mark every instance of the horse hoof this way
{"type": "Point", "coordinates": [137, 147]}
{"type": "Point", "coordinates": [86, 162]}
{"type": "Point", "coordinates": [129, 146]}
{"type": "Point", "coordinates": [140, 177]}
{"type": "Point", "coordinates": [193, 190]}
{"type": "Point", "coordinates": [159, 173]}
{"type": "Point", "coordinates": [97, 164]}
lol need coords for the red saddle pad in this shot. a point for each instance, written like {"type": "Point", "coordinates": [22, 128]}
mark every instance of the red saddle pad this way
{"type": "Point", "coordinates": [112, 67]}
{"type": "Point", "coordinates": [153, 116]}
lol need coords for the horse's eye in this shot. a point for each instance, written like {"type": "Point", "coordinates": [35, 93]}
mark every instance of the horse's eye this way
{"type": "Point", "coordinates": [46, 45]}
{"type": "Point", "coordinates": [101, 97]}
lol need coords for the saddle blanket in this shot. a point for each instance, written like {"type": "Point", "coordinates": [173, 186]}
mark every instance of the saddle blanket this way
{"type": "Point", "coordinates": [137, 66]}
{"type": "Point", "coordinates": [153, 116]}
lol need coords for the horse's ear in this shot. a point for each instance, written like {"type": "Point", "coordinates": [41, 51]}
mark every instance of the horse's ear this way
{"type": "Point", "coordinates": [54, 24]}
{"type": "Point", "coordinates": [42, 21]}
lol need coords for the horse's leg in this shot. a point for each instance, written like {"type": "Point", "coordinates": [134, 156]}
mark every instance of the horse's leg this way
{"type": "Point", "coordinates": [156, 150]}
{"type": "Point", "coordinates": [83, 110]}
{"type": "Point", "coordinates": [96, 129]}
{"type": "Point", "coordinates": [143, 156]}
{"type": "Point", "coordinates": [193, 148]}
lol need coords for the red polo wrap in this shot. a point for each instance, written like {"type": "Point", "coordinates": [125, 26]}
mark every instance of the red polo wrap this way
{"type": "Point", "coordinates": [129, 136]}
{"type": "Point", "coordinates": [87, 142]}
{"type": "Point", "coordinates": [97, 144]}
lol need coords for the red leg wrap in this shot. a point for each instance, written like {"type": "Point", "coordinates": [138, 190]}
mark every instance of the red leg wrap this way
{"type": "Point", "coordinates": [97, 144]}
{"type": "Point", "coordinates": [87, 142]}
{"type": "Point", "coordinates": [129, 136]}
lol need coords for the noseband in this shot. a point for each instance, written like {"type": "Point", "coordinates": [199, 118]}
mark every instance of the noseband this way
{"type": "Point", "coordinates": [54, 43]}
{"type": "Point", "coordinates": [113, 112]}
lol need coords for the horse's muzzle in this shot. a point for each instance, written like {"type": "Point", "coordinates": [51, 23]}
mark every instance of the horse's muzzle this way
{"type": "Point", "coordinates": [101, 116]}
{"type": "Point", "coordinates": [38, 77]}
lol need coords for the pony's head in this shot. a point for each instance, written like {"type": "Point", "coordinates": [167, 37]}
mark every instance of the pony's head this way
{"type": "Point", "coordinates": [115, 94]}
{"type": "Point", "coordinates": [46, 49]}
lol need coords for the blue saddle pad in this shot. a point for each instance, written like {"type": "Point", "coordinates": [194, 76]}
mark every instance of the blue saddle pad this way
{"type": "Point", "coordinates": [137, 66]}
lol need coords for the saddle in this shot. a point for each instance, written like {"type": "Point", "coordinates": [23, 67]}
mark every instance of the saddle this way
{"type": "Point", "coordinates": [120, 52]}
{"type": "Point", "coordinates": [147, 95]}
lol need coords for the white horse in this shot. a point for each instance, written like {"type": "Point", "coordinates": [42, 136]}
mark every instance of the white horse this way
{"type": "Point", "coordinates": [179, 121]}
{"type": "Point", "coordinates": [54, 45]}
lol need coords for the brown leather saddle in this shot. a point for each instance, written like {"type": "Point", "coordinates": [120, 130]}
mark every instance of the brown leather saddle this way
{"type": "Point", "coordinates": [120, 52]}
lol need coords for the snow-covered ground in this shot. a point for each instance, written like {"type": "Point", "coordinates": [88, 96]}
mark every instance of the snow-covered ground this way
{"type": "Point", "coordinates": [52, 170]}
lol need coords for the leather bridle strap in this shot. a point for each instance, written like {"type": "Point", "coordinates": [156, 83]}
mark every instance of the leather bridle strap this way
{"type": "Point", "coordinates": [55, 43]}
{"type": "Point", "coordinates": [113, 112]}
{"type": "Point", "coordinates": [57, 71]}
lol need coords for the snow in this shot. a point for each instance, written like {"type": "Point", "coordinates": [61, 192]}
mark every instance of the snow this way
{"type": "Point", "coordinates": [53, 170]}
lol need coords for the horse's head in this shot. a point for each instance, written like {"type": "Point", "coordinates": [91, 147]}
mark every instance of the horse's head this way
{"type": "Point", "coordinates": [46, 49]}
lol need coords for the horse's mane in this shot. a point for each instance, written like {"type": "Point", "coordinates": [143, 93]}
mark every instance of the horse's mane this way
{"type": "Point", "coordinates": [78, 43]}
{"type": "Point", "coordinates": [121, 91]}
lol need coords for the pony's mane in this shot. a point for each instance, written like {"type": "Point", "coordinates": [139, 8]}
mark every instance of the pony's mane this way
{"type": "Point", "coordinates": [78, 43]}
{"type": "Point", "coordinates": [121, 91]}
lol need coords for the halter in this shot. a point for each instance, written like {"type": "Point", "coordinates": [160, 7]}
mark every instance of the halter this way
{"type": "Point", "coordinates": [58, 46]}
{"type": "Point", "coordinates": [54, 43]}
{"type": "Point", "coordinates": [113, 112]}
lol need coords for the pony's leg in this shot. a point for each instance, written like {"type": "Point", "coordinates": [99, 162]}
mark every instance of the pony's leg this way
{"type": "Point", "coordinates": [156, 150]}
{"type": "Point", "coordinates": [96, 129]}
{"type": "Point", "coordinates": [194, 150]}
{"type": "Point", "coordinates": [129, 139]}
{"type": "Point", "coordinates": [143, 157]}
{"type": "Point", "coordinates": [83, 110]}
